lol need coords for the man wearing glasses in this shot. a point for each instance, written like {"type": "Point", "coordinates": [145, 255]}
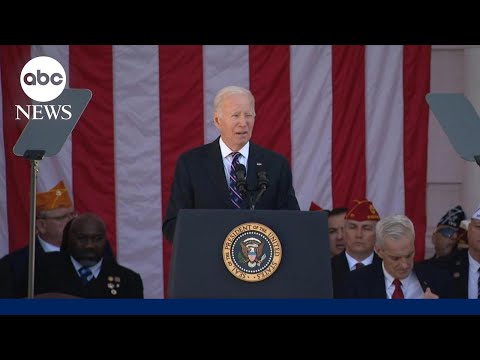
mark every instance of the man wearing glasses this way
{"type": "Point", "coordinates": [54, 209]}
{"type": "Point", "coordinates": [446, 236]}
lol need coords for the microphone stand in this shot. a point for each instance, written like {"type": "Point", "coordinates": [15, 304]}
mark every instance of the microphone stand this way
{"type": "Point", "coordinates": [242, 186]}
{"type": "Point", "coordinates": [253, 201]}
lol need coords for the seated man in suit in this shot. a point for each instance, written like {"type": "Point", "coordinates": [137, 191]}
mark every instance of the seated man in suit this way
{"type": "Point", "coordinates": [204, 178]}
{"type": "Point", "coordinates": [336, 225]}
{"type": "Point", "coordinates": [396, 276]}
{"type": "Point", "coordinates": [82, 269]}
{"type": "Point", "coordinates": [336, 230]}
{"type": "Point", "coordinates": [359, 236]}
{"type": "Point", "coordinates": [53, 210]}
{"type": "Point", "coordinates": [464, 264]}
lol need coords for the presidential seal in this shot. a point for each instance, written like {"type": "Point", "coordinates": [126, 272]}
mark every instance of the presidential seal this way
{"type": "Point", "coordinates": [252, 252]}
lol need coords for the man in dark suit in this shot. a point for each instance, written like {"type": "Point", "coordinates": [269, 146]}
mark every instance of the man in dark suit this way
{"type": "Point", "coordinates": [53, 210]}
{"type": "Point", "coordinates": [359, 236]}
{"type": "Point", "coordinates": [202, 175]}
{"type": "Point", "coordinates": [81, 269]}
{"type": "Point", "coordinates": [464, 264]}
{"type": "Point", "coordinates": [396, 277]}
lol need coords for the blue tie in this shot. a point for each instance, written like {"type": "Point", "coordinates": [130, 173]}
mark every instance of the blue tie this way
{"type": "Point", "coordinates": [235, 196]}
{"type": "Point", "coordinates": [85, 274]}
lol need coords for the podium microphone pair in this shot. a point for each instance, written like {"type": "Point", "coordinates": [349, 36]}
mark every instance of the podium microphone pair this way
{"type": "Point", "coordinates": [241, 184]}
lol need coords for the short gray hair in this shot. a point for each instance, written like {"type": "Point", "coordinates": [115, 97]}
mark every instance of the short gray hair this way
{"type": "Point", "coordinates": [394, 226]}
{"type": "Point", "coordinates": [228, 90]}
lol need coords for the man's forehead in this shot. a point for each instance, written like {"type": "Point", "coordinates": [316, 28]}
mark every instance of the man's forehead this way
{"type": "Point", "coordinates": [361, 223]}
{"type": "Point", "coordinates": [90, 226]}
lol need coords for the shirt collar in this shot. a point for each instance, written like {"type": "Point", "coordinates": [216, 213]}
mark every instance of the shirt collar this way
{"type": "Point", "coordinates": [352, 262]}
{"type": "Point", "coordinates": [245, 150]}
{"type": "Point", "coordinates": [95, 268]}
{"type": "Point", "coordinates": [473, 262]}
{"type": "Point", "coordinates": [389, 278]}
{"type": "Point", "coordinates": [47, 247]}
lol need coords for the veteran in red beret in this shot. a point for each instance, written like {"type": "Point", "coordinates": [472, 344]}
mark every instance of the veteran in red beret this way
{"type": "Point", "coordinates": [359, 236]}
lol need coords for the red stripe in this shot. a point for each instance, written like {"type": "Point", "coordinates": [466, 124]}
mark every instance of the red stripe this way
{"type": "Point", "coordinates": [12, 60]}
{"type": "Point", "coordinates": [270, 84]}
{"type": "Point", "coordinates": [416, 84]}
{"type": "Point", "coordinates": [181, 116]}
{"type": "Point", "coordinates": [348, 124]}
{"type": "Point", "coordinates": [93, 165]}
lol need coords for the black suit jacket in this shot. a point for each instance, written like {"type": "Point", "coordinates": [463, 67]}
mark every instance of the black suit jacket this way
{"type": "Point", "coordinates": [7, 289]}
{"type": "Point", "coordinates": [16, 264]}
{"type": "Point", "coordinates": [369, 282]}
{"type": "Point", "coordinates": [340, 269]}
{"type": "Point", "coordinates": [15, 268]}
{"type": "Point", "coordinates": [457, 266]}
{"type": "Point", "coordinates": [199, 182]}
{"type": "Point", "coordinates": [56, 273]}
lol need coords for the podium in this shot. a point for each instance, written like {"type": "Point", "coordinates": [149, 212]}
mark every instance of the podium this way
{"type": "Point", "coordinates": [250, 254]}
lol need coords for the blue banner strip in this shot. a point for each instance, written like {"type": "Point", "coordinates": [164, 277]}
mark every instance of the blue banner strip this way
{"type": "Point", "coordinates": [237, 307]}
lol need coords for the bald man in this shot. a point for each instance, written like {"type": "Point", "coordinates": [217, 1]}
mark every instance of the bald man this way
{"type": "Point", "coordinates": [81, 269]}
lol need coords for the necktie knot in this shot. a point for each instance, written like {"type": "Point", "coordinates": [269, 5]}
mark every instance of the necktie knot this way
{"type": "Point", "coordinates": [85, 274]}
{"type": "Point", "coordinates": [359, 265]}
{"type": "Point", "coordinates": [235, 157]}
{"type": "Point", "coordinates": [397, 292]}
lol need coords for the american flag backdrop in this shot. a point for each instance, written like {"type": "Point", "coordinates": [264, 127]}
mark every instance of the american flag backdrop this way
{"type": "Point", "coordinates": [352, 120]}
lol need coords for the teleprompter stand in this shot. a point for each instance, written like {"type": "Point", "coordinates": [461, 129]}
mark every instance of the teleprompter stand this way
{"type": "Point", "coordinates": [41, 138]}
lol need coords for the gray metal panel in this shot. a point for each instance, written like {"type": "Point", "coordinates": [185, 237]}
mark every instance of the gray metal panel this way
{"type": "Point", "coordinates": [50, 135]}
{"type": "Point", "coordinates": [459, 121]}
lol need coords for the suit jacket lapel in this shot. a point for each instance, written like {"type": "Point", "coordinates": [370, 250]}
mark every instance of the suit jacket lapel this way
{"type": "Point", "coordinates": [216, 172]}
{"type": "Point", "coordinates": [379, 289]}
{"type": "Point", "coordinates": [253, 158]}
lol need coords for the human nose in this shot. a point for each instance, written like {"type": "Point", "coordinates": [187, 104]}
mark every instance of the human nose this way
{"type": "Point", "coordinates": [90, 242]}
{"type": "Point", "coordinates": [340, 233]}
{"type": "Point", "coordinates": [242, 120]}
{"type": "Point", "coordinates": [404, 263]}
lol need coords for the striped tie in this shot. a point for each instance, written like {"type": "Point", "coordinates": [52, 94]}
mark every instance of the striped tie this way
{"type": "Point", "coordinates": [85, 274]}
{"type": "Point", "coordinates": [235, 196]}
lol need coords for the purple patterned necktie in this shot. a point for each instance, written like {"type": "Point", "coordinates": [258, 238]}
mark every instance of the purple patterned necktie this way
{"type": "Point", "coordinates": [235, 196]}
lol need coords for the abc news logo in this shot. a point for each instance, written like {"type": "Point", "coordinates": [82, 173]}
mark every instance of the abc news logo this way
{"type": "Point", "coordinates": [43, 79]}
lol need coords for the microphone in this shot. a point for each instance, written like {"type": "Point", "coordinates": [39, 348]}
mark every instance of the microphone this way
{"type": "Point", "coordinates": [262, 182]}
{"type": "Point", "coordinates": [262, 179]}
{"type": "Point", "coordinates": [241, 183]}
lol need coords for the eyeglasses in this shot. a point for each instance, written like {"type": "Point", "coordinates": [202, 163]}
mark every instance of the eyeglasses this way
{"type": "Point", "coordinates": [66, 216]}
{"type": "Point", "coordinates": [447, 232]}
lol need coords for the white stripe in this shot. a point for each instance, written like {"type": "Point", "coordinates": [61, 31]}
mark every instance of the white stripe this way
{"type": "Point", "coordinates": [384, 128]}
{"type": "Point", "coordinates": [311, 123]}
{"type": "Point", "coordinates": [222, 66]}
{"type": "Point", "coordinates": [59, 167]}
{"type": "Point", "coordinates": [4, 245]}
{"type": "Point", "coordinates": [137, 164]}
